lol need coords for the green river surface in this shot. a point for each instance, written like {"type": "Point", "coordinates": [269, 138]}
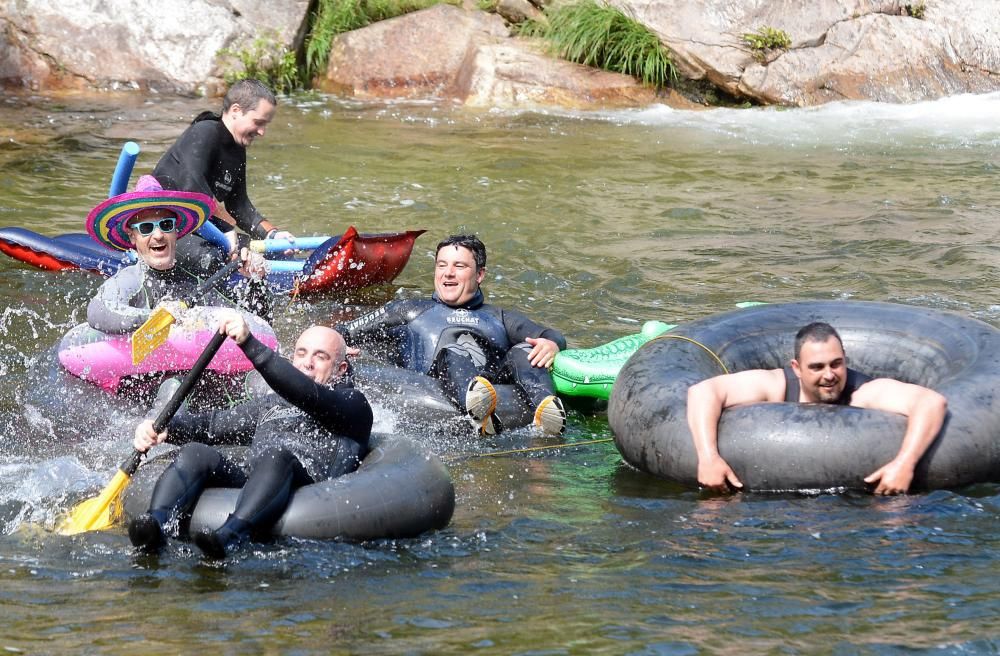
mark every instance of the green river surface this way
{"type": "Point", "coordinates": [595, 223]}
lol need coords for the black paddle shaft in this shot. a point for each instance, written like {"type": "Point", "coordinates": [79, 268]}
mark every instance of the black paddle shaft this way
{"type": "Point", "coordinates": [170, 409]}
{"type": "Point", "coordinates": [214, 280]}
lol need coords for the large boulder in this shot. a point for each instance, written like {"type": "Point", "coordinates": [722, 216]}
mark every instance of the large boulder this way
{"type": "Point", "coordinates": [518, 74]}
{"type": "Point", "coordinates": [841, 49]}
{"type": "Point", "coordinates": [125, 43]}
{"type": "Point", "coordinates": [468, 56]}
{"type": "Point", "coordinates": [417, 55]}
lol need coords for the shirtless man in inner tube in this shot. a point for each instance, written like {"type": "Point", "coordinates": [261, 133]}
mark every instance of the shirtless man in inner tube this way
{"type": "Point", "coordinates": [817, 374]}
{"type": "Point", "coordinates": [467, 344]}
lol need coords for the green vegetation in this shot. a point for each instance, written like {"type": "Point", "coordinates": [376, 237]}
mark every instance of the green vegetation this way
{"type": "Point", "coordinates": [917, 9]}
{"type": "Point", "coordinates": [267, 60]}
{"type": "Point", "coordinates": [596, 34]}
{"type": "Point", "coordinates": [766, 38]}
{"type": "Point", "coordinates": [336, 16]}
{"type": "Point", "coordinates": [588, 32]}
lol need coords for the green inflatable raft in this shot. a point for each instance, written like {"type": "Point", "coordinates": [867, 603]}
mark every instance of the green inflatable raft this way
{"type": "Point", "coordinates": [592, 372]}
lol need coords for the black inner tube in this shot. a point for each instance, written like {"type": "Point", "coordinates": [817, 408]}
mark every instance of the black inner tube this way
{"type": "Point", "coordinates": [786, 446]}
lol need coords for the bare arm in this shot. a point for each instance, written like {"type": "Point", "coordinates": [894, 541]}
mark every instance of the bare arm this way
{"type": "Point", "coordinates": [707, 400]}
{"type": "Point", "coordinates": [924, 409]}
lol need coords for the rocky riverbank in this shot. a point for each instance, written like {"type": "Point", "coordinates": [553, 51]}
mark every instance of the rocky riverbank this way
{"type": "Point", "coordinates": [882, 50]}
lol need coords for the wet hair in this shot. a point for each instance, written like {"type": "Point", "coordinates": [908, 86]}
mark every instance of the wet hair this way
{"type": "Point", "coordinates": [817, 331]}
{"type": "Point", "coordinates": [247, 93]}
{"type": "Point", "coordinates": [471, 242]}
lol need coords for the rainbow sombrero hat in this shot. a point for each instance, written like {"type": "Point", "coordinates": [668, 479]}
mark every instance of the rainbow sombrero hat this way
{"type": "Point", "coordinates": [106, 222]}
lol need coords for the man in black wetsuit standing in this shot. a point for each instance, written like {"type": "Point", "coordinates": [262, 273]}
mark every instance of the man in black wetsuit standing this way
{"type": "Point", "coordinates": [817, 374]}
{"type": "Point", "coordinates": [311, 426]}
{"type": "Point", "coordinates": [466, 343]}
{"type": "Point", "coordinates": [210, 157]}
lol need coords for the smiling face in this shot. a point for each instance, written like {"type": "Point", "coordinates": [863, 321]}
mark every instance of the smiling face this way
{"type": "Point", "coordinates": [247, 125]}
{"type": "Point", "coordinates": [158, 249]}
{"type": "Point", "coordinates": [822, 370]}
{"type": "Point", "coordinates": [321, 354]}
{"type": "Point", "coordinates": [456, 279]}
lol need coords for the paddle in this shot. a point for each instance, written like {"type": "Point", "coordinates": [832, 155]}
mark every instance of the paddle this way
{"type": "Point", "coordinates": [97, 514]}
{"type": "Point", "coordinates": [150, 336]}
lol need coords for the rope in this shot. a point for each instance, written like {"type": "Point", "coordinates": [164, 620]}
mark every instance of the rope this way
{"type": "Point", "coordinates": [696, 343]}
{"type": "Point", "coordinates": [529, 449]}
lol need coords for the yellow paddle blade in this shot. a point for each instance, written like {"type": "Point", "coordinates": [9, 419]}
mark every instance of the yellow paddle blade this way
{"type": "Point", "coordinates": [151, 335]}
{"type": "Point", "coordinates": [98, 513]}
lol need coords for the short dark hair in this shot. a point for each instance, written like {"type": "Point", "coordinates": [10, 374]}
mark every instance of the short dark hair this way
{"type": "Point", "coordinates": [817, 331]}
{"type": "Point", "coordinates": [471, 242]}
{"type": "Point", "coordinates": [247, 93]}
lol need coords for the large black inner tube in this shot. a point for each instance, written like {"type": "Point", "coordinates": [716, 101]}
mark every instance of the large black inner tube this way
{"type": "Point", "coordinates": [790, 446]}
{"type": "Point", "coordinates": [399, 491]}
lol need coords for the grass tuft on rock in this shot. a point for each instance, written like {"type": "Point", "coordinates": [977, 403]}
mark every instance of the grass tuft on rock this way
{"type": "Point", "coordinates": [264, 59]}
{"type": "Point", "coordinates": [916, 9]}
{"type": "Point", "coordinates": [596, 34]}
{"type": "Point", "coordinates": [766, 39]}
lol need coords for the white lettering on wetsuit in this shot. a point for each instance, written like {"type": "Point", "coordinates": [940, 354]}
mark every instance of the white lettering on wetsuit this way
{"type": "Point", "coordinates": [277, 412]}
{"type": "Point", "coordinates": [463, 317]}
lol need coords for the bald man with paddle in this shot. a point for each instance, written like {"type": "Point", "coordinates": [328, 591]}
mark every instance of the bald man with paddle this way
{"type": "Point", "coordinates": [311, 425]}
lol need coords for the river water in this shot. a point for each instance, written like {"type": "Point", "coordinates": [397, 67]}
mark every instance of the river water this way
{"type": "Point", "coordinates": [595, 223]}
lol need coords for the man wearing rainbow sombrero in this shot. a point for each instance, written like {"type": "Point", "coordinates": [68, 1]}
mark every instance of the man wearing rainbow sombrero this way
{"type": "Point", "coordinates": [151, 220]}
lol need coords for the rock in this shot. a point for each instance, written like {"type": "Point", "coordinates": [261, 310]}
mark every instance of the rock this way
{"type": "Point", "coordinates": [417, 55]}
{"type": "Point", "coordinates": [17, 62]}
{"type": "Point", "coordinates": [515, 74]}
{"type": "Point", "coordinates": [841, 49]}
{"type": "Point", "coordinates": [862, 59]}
{"type": "Point", "coordinates": [122, 43]}
{"type": "Point", "coordinates": [447, 52]}
{"type": "Point", "coordinates": [518, 11]}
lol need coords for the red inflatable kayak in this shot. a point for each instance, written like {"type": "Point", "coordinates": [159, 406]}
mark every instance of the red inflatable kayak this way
{"type": "Point", "coordinates": [357, 260]}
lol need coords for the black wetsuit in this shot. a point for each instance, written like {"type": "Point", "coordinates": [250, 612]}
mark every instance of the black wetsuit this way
{"type": "Point", "coordinates": [455, 344]}
{"type": "Point", "coordinates": [124, 301]}
{"type": "Point", "coordinates": [206, 159]}
{"type": "Point", "coordinates": [299, 433]}
{"type": "Point", "coordinates": [855, 379]}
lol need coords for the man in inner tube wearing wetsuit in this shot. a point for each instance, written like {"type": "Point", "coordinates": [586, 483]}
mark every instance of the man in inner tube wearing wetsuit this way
{"type": "Point", "coordinates": [210, 157]}
{"type": "Point", "coordinates": [311, 425]}
{"type": "Point", "coordinates": [152, 220]}
{"type": "Point", "coordinates": [466, 343]}
{"type": "Point", "coordinates": [817, 374]}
